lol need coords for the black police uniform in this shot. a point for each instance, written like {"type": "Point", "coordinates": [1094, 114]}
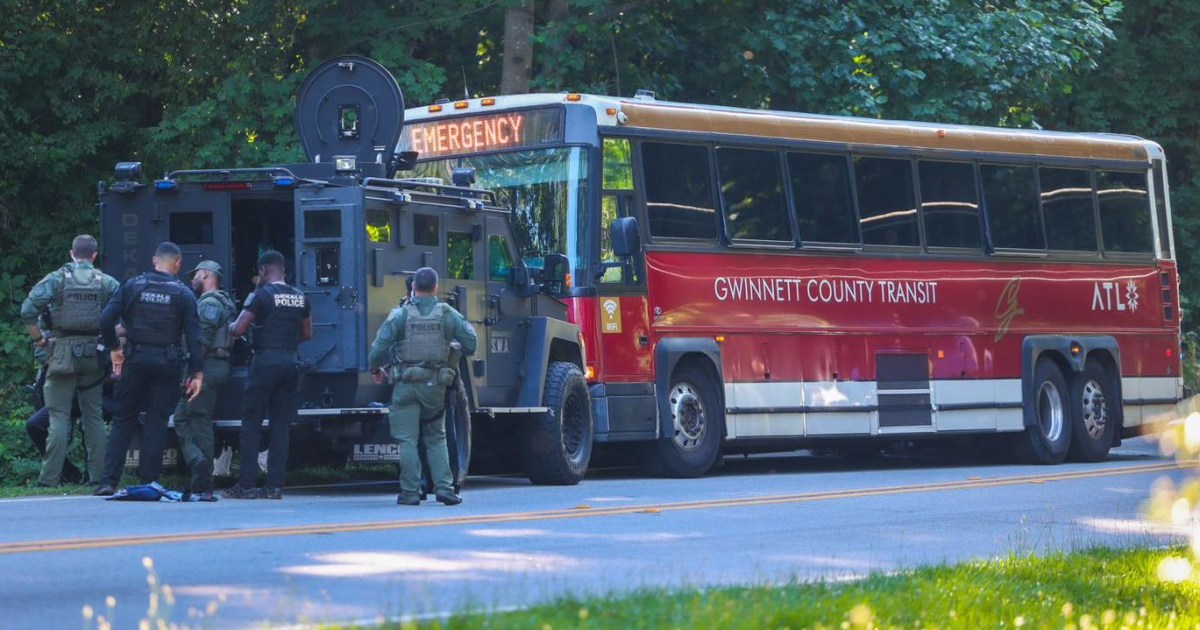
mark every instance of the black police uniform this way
{"type": "Point", "coordinates": [156, 308]}
{"type": "Point", "coordinates": [279, 311]}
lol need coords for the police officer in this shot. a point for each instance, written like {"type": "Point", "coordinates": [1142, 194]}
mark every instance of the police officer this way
{"type": "Point", "coordinates": [281, 319]}
{"type": "Point", "coordinates": [418, 340]}
{"type": "Point", "coordinates": [157, 311]}
{"type": "Point", "coordinates": [75, 295]}
{"type": "Point", "coordinates": [193, 419]}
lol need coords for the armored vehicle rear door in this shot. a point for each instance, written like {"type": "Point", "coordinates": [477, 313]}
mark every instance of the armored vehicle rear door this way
{"type": "Point", "coordinates": [330, 270]}
{"type": "Point", "coordinates": [134, 223]}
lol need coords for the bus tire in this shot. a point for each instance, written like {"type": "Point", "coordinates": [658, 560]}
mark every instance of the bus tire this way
{"type": "Point", "coordinates": [458, 432]}
{"type": "Point", "coordinates": [1093, 418]}
{"type": "Point", "coordinates": [558, 443]}
{"type": "Point", "coordinates": [698, 422]}
{"type": "Point", "coordinates": [1046, 442]}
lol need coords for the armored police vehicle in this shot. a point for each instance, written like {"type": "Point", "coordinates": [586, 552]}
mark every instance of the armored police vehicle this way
{"type": "Point", "coordinates": [354, 228]}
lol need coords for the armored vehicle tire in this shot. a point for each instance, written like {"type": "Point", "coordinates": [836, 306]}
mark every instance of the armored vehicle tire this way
{"type": "Point", "coordinates": [558, 443]}
{"type": "Point", "coordinates": [1093, 419]}
{"type": "Point", "coordinates": [1047, 440]}
{"type": "Point", "coordinates": [697, 420]}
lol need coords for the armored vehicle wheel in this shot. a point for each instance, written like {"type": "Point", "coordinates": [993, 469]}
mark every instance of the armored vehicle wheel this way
{"type": "Point", "coordinates": [558, 446]}
{"type": "Point", "coordinates": [1046, 441]}
{"type": "Point", "coordinates": [1093, 417]}
{"type": "Point", "coordinates": [694, 445]}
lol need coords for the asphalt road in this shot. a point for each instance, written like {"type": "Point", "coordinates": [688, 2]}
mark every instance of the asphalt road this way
{"type": "Point", "coordinates": [349, 553]}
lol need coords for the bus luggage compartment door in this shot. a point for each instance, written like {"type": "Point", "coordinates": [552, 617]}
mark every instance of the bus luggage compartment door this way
{"type": "Point", "coordinates": [330, 270]}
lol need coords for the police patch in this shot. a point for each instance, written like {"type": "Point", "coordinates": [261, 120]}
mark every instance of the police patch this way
{"type": "Point", "coordinates": [210, 313]}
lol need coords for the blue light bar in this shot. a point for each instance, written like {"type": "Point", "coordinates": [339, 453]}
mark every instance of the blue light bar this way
{"type": "Point", "coordinates": [166, 184]}
{"type": "Point", "coordinates": [285, 181]}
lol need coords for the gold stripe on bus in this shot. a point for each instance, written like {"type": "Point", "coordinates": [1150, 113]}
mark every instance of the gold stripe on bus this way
{"type": "Point", "coordinates": [857, 131]}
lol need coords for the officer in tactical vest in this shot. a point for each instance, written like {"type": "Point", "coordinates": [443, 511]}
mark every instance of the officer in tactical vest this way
{"type": "Point", "coordinates": [193, 419]}
{"type": "Point", "coordinates": [75, 296]}
{"type": "Point", "coordinates": [281, 318]}
{"type": "Point", "coordinates": [157, 311]}
{"type": "Point", "coordinates": [421, 340]}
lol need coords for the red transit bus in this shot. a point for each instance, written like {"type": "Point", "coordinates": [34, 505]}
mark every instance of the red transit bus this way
{"type": "Point", "coordinates": [757, 280]}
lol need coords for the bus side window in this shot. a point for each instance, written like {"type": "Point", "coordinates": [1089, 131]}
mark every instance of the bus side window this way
{"type": "Point", "coordinates": [949, 204]}
{"type": "Point", "coordinates": [824, 201]}
{"type": "Point", "coordinates": [500, 262]}
{"type": "Point", "coordinates": [751, 185]}
{"type": "Point", "coordinates": [679, 191]}
{"type": "Point", "coordinates": [616, 201]}
{"type": "Point", "coordinates": [887, 211]}
{"type": "Point", "coordinates": [1068, 209]}
{"type": "Point", "coordinates": [1012, 206]}
{"type": "Point", "coordinates": [1124, 211]}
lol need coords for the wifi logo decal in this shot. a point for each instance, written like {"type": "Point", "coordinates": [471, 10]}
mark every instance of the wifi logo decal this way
{"type": "Point", "coordinates": [610, 315]}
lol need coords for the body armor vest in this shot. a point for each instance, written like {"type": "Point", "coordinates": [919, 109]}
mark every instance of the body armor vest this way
{"type": "Point", "coordinates": [280, 329]}
{"type": "Point", "coordinates": [221, 339]}
{"type": "Point", "coordinates": [151, 315]}
{"type": "Point", "coordinates": [424, 339]}
{"type": "Point", "coordinates": [80, 303]}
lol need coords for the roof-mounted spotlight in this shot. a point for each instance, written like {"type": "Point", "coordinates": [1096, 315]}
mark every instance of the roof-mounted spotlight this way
{"type": "Point", "coordinates": [128, 171]}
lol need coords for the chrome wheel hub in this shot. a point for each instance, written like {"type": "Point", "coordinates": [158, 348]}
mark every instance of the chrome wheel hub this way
{"type": "Point", "coordinates": [687, 415]}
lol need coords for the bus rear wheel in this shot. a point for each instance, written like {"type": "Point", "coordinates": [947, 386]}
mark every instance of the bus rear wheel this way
{"type": "Point", "coordinates": [1094, 419]}
{"type": "Point", "coordinates": [1046, 442]}
{"type": "Point", "coordinates": [697, 422]}
{"type": "Point", "coordinates": [558, 446]}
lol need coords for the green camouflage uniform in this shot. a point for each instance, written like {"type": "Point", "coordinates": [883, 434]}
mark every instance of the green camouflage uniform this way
{"type": "Point", "coordinates": [419, 395]}
{"type": "Point", "coordinates": [193, 420]}
{"type": "Point", "coordinates": [73, 367]}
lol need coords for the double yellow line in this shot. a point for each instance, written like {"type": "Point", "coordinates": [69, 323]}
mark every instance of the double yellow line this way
{"type": "Point", "coordinates": [72, 544]}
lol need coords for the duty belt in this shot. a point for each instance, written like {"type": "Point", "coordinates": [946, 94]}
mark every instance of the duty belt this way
{"type": "Point", "coordinates": [219, 353]}
{"type": "Point", "coordinates": [139, 347]}
{"type": "Point", "coordinates": [75, 333]}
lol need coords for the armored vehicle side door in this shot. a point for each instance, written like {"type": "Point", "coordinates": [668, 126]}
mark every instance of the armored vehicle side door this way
{"type": "Point", "coordinates": [330, 270]}
{"type": "Point", "coordinates": [503, 342]}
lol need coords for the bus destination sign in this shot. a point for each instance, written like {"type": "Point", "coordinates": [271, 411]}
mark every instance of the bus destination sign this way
{"type": "Point", "coordinates": [487, 132]}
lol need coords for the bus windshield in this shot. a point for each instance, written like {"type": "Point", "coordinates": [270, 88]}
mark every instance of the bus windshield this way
{"type": "Point", "coordinates": [545, 189]}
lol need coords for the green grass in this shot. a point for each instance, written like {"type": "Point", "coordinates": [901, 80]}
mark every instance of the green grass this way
{"type": "Point", "coordinates": [1091, 589]}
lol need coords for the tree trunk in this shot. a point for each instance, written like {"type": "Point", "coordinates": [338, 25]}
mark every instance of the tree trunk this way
{"type": "Point", "coordinates": [518, 50]}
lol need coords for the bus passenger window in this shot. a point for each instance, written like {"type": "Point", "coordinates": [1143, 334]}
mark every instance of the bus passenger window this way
{"type": "Point", "coordinates": [425, 230]}
{"type": "Point", "coordinates": [679, 194]}
{"type": "Point", "coordinates": [752, 195]}
{"type": "Point", "coordinates": [1067, 209]}
{"type": "Point", "coordinates": [949, 204]}
{"type": "Point", "coordinates": [1010, 193]}
{"type": "Point", "coordinates": [1124, 211]}
{"type": "Point", "coordinates": [886, 209]}
{"type": "Point", "coordinates": [460, 256]}
{"type": "Point", "coordinates": [500, 262]}
{"type": "Point", "coordinates": [824, 202]}
{"type": "Point", "coordinates": [379, 226]}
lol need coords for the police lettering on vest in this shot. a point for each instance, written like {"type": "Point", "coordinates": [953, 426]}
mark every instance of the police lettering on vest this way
{"type": "Point", "coordinates": [278, 310]}
{"type": "Point", "coordinates": [82, 300]}
{"type": "Point", "coordinates": [424, 339]}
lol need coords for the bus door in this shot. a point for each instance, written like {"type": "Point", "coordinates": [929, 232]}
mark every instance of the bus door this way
{"type": "Point", "coordinates": [330, 270]}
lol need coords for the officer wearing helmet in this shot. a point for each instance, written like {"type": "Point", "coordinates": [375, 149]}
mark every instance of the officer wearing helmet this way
{"type": "Point", "coordinates": [193, 418]}
{"type": "Point", "coordinates": [421, 341]}
{"type": "Point", "coordinates": [75, 295]}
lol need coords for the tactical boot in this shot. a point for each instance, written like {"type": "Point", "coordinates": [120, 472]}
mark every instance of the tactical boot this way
{"type": "Point", "coordinates": [271, 493]}
{"type": "Point", "coordinates": [104, 490]}
{"type": "Point", "coordinates": [403, 500]}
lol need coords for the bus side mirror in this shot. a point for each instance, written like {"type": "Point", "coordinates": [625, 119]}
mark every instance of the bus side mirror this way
{"type": "Point", "coordinates": [555, 268]}
{"type": "Point", "coordinates": [623, 233]}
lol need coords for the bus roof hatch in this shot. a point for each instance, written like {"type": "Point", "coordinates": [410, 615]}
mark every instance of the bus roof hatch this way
{"type": "Point", "coordinates": [349, 106]}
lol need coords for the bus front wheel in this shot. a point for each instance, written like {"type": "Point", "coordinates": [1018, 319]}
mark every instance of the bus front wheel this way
{"type": "Point", "coordinates": [1047, 440]}
{"type": "Point", "coordinates": [697, 420]}
{"type": "Point", "coordinates": [1093, 404]}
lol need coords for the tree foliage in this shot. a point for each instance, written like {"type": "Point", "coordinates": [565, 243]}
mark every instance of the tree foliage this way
{"type": "Point", "coordinates": [208, 83]}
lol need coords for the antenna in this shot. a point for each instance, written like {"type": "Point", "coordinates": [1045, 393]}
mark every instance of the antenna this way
{"type": "Point", "coordinates": [466, 92]}
{"type": "Point", "coordinates": [612, 39]}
